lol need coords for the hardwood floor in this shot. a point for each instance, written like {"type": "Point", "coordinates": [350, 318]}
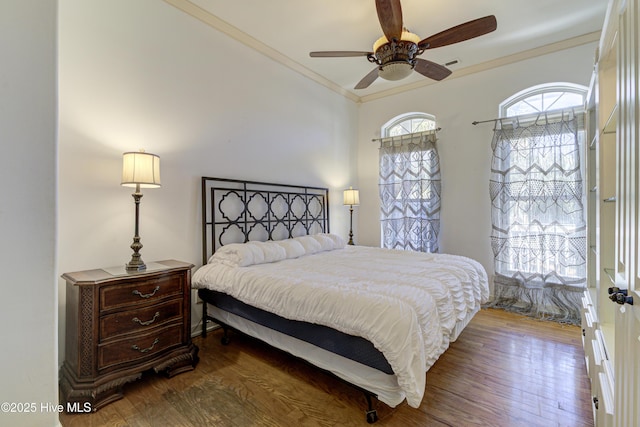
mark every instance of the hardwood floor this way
{"type": "Point", "coordinates": [504, 370]}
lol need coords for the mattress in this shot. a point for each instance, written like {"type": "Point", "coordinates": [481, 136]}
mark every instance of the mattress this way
{"type": "Point", "coordinates": [408, 305]}
{"type": "Point", "coordinates": [351, 347]}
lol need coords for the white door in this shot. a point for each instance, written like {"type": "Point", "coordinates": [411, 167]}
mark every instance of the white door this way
{"type": "Point", "coordinates": [627, 317]}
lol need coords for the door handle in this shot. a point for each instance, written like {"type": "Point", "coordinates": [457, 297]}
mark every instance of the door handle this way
{"type": "Point", "coordinates": [614, 290]}
{"type": "Point", "coordinates": [624, 299]}
{"type": "Point", "coordinates": [621, 297]}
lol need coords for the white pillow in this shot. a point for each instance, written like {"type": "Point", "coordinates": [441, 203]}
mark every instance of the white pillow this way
{"type": "Point", "coordinates": [292, 248]}
{"type": "Point", "coordinates": [338, 241]}
{"type": "Point", "coordinates": [251, 253]}
{"type": "Point", "coordinates": [238, 255]}
{"type": "Point", "coordinates": [326, 243]}
{"type": "Point", "coordinates": [310, 245]}
{"type": "Point", "coordinates": [272, 252]}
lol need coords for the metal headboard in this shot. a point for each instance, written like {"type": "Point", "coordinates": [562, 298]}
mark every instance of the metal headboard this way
{"type": "Point", "coordinates": [236, 211]}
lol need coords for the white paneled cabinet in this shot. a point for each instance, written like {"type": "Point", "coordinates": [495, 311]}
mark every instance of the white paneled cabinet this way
{"type": "Point", "coordinates": [610, 319]}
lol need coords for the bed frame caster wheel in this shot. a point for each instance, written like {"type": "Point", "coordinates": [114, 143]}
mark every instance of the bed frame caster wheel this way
{"type": "Point", "coordinates": [372, 416]}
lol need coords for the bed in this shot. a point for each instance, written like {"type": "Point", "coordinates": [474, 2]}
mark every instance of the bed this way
{"type": "Point", "coordinates": [375, 318]}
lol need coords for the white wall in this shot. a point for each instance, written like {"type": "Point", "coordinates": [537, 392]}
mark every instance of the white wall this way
{"type": "Point", "coordinates": [465, 149]}
{"type": "Point", "coordinates": [28, 211]}
{"type": "Point", "coordinates": [145, 75]}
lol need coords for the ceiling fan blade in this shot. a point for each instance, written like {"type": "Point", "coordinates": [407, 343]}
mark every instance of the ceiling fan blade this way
{"type": "Point", "coordinates": [390, 17]}
{"type": "Point", "coordinates": [431, 69]}
{"type": "Point", "coordinates": [368, 79]}
{"type": "Point", "coordinates": [460, 33]}
{"type": "Point", "coordinates": [338, 54]}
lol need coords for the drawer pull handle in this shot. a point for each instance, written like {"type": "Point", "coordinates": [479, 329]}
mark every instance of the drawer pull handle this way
{"type": "Point", "coordinates": [148, 349]}
{"type": "Point", "coordinates": [148, 322]}
{"type": "Point", "coordinates": [141, 295]}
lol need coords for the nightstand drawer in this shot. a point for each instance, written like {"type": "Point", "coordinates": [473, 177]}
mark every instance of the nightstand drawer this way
{"type": "Point", "coordinates": [144, 291]}
{"type": "Point", "coordinates": [140, 320]}
{"type": "Point", "coordinates": [139, 347]}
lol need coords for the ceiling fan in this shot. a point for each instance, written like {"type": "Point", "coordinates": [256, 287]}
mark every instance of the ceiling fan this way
{"type": "Point", "coordinates": [395, 53]}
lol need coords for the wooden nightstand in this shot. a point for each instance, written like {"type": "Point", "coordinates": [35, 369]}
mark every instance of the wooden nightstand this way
{"type": "Point", "coordinates": [120, 324]}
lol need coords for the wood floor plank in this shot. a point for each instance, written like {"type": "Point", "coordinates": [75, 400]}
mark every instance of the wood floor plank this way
{"type": "Point", "coordinates": [504, 370]}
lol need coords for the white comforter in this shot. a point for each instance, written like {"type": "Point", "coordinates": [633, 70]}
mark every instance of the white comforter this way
{"type": "Point", "coordinates": [405, 303]}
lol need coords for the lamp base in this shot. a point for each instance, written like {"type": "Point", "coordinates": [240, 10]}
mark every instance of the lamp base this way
{"type": "Point", "coordinates": [351, 226]}
{"type": "Point", "coordinates": [135, 267]}
{"type": "Point", "coordinates": [136, 263]}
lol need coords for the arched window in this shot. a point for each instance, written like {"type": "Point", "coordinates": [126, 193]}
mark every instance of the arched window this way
{"type": "Point", "coordinates": [410, 183]}
{"type": "Point", "coordinates": [538, 225]}
{"type": "Point", "coordinates": [545, 97]}
{"type": "Point", "coordinates": [409, 123]}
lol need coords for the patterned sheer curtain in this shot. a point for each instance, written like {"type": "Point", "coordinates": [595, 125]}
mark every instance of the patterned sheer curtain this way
{"type": "Point", "coordinates": [410, 192]}
{"type": "Point", "coordinates": [538, 224]}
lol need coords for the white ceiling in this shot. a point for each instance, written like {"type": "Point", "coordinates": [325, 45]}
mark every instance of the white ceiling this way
{"type": "Point", "coordinates": [287, 30]}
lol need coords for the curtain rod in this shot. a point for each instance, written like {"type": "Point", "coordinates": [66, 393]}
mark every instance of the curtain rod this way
{"type": "Point", "coordinates": [531, 115]}
{"type": "Point", "coordinates": [484, 121]}
{"type": "Point", "coordinates": [407, 135]}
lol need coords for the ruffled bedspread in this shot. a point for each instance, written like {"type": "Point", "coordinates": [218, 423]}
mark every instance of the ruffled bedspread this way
{"type": "Point", "coordinates": [405, 303]}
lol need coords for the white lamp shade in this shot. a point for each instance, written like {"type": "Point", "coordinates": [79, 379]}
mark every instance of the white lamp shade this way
{"type": "Point", "coordinates": [351, 197]}
{"type": "Point", "coordinates": [140, 168]}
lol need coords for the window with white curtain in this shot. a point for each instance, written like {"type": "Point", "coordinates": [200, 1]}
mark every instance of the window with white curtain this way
{"type": "Point", "coordinates": [537, 198]}
{"type": "Point", "coordinates": [410, 184]}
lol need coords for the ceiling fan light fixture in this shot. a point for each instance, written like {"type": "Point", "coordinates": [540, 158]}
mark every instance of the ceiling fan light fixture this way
{"type": "Point", "coordinates": [395, 70]}
{"type": "Point", "coordinates": [396, 52]}
{"type": "Point", "coordinates": [406, 36]}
